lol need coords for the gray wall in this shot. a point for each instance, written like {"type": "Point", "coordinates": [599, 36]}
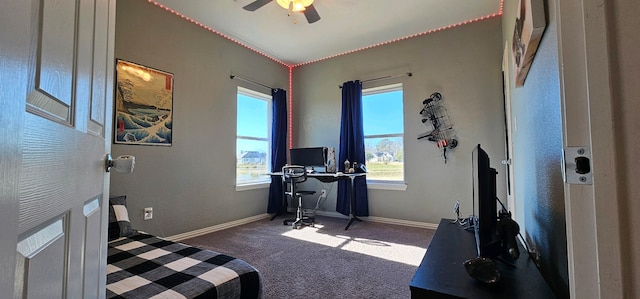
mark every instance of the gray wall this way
{"type": "Point", "coordinates": [464, 64]}
{"type": "Point", "coordinates": [191, 184]}
{"type": "Point", "coordinates": [625, 71]}
{"type": "Point", "coordinates": [537, 153]}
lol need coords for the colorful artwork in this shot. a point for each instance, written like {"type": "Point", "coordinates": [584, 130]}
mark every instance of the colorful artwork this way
{"type": "Point", "coordinates": [530, 24]}
{"type": "Point", "coordinates": [144, 105]}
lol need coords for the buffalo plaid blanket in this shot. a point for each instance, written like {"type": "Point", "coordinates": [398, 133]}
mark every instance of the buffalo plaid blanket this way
{"type": "Point", "coordinates": [145, 266]}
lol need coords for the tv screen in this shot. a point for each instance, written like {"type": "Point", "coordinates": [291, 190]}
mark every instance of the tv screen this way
{"type": "Point", "coordinates": [308, 156]}
{"type": "Point", "coordinates": [484, 204]}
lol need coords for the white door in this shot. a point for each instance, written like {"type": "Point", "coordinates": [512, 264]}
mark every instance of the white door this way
{"type": "Point", "coordinates": [56, 68]}
{"type": "Point", "coordinates": [593, 228]}
{"type": "Point", "coordinates": [508, 161]}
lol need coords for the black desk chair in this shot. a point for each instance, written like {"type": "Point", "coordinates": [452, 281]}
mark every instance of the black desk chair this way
{"type": "Point", "coordinates": [294, 175]}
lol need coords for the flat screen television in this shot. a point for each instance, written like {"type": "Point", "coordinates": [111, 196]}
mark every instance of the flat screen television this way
{"type": "Point", "coordinates": [310, 157]}
{"type": "Point", "coordinates": [485, 212]}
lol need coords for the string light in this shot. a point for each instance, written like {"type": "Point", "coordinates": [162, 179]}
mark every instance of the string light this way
{"type": "Point", "coordinates": [291, 66]}
{"type": "Point", "coordinates": [217, 32]}
{"type": "Point", "coordinates": [499, 13]}
{"type": "Point", "coordinates": [290, 121]}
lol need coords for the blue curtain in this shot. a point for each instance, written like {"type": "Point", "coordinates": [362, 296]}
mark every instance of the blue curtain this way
{"type": "Point", "coordinates": [352, 149]}
{"type": "Point", "coordinates": [278, 148]}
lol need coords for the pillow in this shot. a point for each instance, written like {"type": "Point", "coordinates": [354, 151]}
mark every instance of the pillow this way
{"type": "Point", "coordinates": [119, 225]}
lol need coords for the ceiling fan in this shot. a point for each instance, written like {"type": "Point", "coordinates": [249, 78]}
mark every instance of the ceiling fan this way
{"type": "Point", "coordinates": [304, 6]}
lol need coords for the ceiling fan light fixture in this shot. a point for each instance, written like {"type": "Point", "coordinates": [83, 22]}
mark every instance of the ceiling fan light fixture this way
{"type": "Point", "coordinates": [294, 5]}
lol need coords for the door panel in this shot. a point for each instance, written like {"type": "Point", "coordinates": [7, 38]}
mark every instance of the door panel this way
{"type": "Point", "coordinates": [51, 153]}
{"type": "Point", "coordinates": [40, 270]}
{"type": "Point", "coordinates": [62, 211]}
{"type": "Point", "coordinates": [55, 69]}
{"type": "Point", "coordinates": [14, 49]}
{"type": "Point", "coordinates": [506, 72]}
{"type": "Point", "coordinates": [52, 59]}
{"type": "Point", "coordinates": [100, 89]}
{"type": "Point", "coordinates": [91, 272]}
{"type": "Point", "coordinates": [84, 56]}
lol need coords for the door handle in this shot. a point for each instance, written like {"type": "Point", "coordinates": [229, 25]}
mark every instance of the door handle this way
{"type": "Point", "coordinates": [124, 163]}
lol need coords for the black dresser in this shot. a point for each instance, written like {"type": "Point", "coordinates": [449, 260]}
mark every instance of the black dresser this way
{"type": "Point", "coordinates": [441, 273]}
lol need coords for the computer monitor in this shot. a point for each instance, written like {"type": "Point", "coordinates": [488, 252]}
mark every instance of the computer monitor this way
{"type": "Point", "coordinates": [310, 157]}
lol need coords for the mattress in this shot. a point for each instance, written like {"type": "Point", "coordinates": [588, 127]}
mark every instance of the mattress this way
{"type": "Point", "coordinates": [145, 266]}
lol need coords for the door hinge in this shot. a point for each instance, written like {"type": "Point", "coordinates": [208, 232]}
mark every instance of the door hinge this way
{"type": "Point", "coordinates": [577, 165]}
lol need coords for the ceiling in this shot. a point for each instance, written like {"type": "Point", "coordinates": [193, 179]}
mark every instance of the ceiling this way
{"type": "Point", "coordinates": [345, 25]}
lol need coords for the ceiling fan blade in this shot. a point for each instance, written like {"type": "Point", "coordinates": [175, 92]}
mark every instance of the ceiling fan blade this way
{"type": "Point", "coordinates": [256, 4]}
{"type": "Point", "coordinates": [311, 14]}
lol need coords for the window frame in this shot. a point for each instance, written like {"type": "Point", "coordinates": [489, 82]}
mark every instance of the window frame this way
{"type": "Point", "coordinates": [399, 185]}
{"type": "Point", "coordinates": [257, 184]}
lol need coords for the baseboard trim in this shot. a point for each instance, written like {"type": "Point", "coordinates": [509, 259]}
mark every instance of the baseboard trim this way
{"type": "Point", "coordinates": [382, 220]}
{"type": "Point", "coordinates": [222, 226]}
{"type": "Point", "coordinates": [331, 214]}
{"type": "Point", "coordinates": [215, 228]}
{"type": "Point", "coordinates": [401, 222]}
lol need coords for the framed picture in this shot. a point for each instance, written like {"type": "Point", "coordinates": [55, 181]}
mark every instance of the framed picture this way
{"type": "Point", "coordinates": [143, 105]}
{"type": "Point", "coordinates": [530, 24]}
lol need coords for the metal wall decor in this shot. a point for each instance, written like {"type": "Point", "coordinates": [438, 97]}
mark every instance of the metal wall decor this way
{"type": "Point", "coordinates": [434, 114]}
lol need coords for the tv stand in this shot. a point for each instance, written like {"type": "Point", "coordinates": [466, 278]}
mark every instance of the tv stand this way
{"type": "Point", "coordinates": [442, 275]}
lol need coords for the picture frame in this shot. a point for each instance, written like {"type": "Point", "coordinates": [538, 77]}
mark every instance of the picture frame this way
{"type": "Point", "coordinates": [143, 105]}
{"type": "Point", "coordinates": [529, 27]}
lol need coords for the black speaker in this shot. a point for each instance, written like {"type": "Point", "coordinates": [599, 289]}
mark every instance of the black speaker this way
{"type": "Point", "coordinates": [508, 231]}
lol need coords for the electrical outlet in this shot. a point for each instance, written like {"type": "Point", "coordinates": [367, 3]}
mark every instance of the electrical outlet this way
{"type": "Point", "coordinates": [148, 213]}
{"type": "Point", "coordinates": [323, 193]}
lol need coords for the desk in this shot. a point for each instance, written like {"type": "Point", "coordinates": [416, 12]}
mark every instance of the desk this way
{"type": "Point", "coordinates": [328, 178]}
{"type": "Point", "coordinates": [442, 275]}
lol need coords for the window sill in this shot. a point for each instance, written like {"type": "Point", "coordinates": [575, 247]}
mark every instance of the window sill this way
{"type": "Point", "coordinates": [252, 186]}
{"type": "Point", "coordinates": [399, 186]}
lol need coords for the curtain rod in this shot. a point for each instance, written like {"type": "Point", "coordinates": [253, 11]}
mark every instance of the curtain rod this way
{"type": "Point", "coordinates": [232, 76]}
{"type": "Point", "coordinates": [384, 78]}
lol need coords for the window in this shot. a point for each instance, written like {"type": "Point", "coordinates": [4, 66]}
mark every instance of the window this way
{"type": "Point", "coordinates": [253, 137]}
{"type": "Point", "coordinates": [383, 122]}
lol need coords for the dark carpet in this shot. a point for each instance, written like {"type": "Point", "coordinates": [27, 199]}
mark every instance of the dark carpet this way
{"type": "Point", "coordinates": [370, 260]}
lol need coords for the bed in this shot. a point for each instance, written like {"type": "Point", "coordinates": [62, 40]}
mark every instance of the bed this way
{"type": "Point", "coordinates": [140, 265]}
